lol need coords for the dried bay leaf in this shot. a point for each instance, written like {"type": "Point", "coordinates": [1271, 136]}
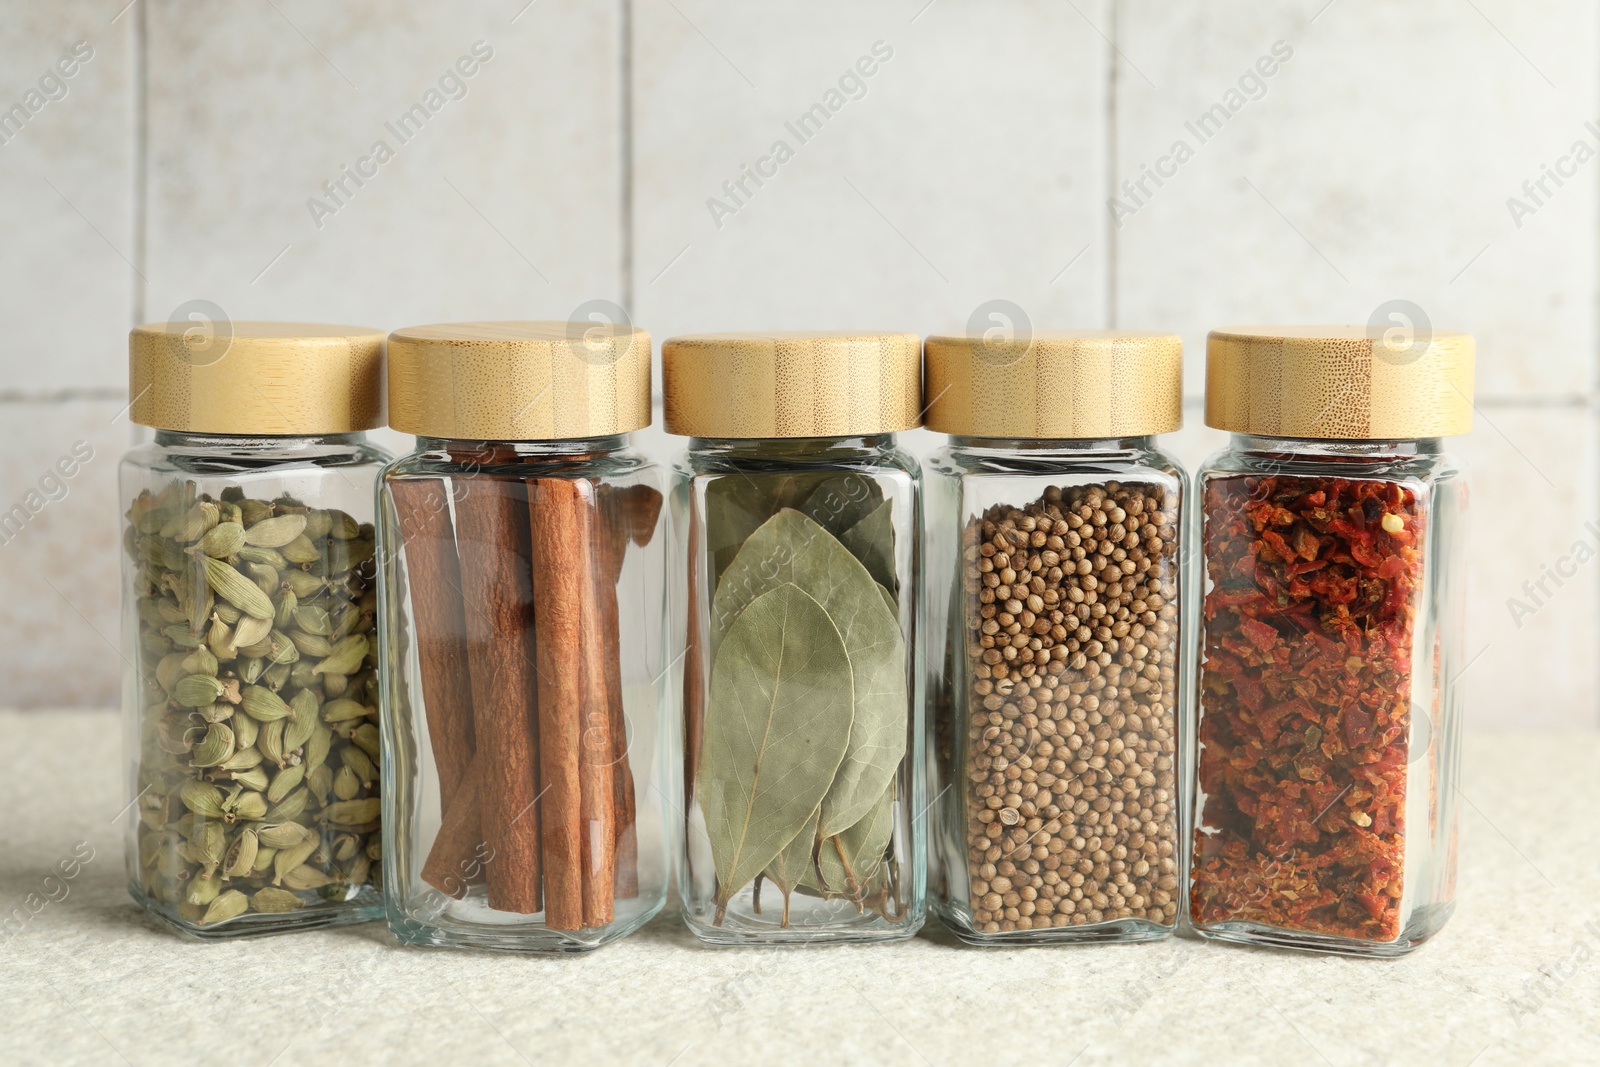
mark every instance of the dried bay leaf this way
{"type": "Point", "coordinates": [795, 864]}
{"type": "Point", "coordinates": [843, 501]}
{"type": "Point", "coordinates": [849, 861]}
{"type": "Point", "coordinates": [791, 548]}
{"type": "Point", "coordinates": [777, 726]}
{"type": "Point", "coordinates": [737, 504]}
{"type": "Point", "coordinates": [872, 542]}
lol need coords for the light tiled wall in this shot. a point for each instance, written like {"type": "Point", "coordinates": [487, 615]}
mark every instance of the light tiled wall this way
{"type": "Point", "coordinates": [968, 157]}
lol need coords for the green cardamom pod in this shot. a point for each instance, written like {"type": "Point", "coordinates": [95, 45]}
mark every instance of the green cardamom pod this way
{"type": "Point", "coordinates": [314, 645]}
{"type": "Point", "coordinates": [250, 806]}
{"type": "Point", "coordinates": [292, 856]}
{"type": "Point", "coordinates": [275, 900]}
{"type": "Point", "coordinates": [275, 532]}
{"type": "Point", "coordinates": [301, 550]}
{"type": "Point", "coordinates": [270, 741]}
{"type": "Point", "coordinates": [201, 518]}
{"type": "Point", "coordinates": [367, 738]}
{"type": "Point", "coordinates": [245, 730]}
{"type": "Point", "coordinates": [275, 675]}
{"type": "Point", "coordinates": [313, 620]}
{"type": "Point", "coordinates": [285, 780]}
{"type": "Point", "coordinates": [237, 590]}
{"type": "Point", "coordinates": [284, 616]}
{"type": "Point", "coordinates": [346, 786]}
{"type": "Point", "coordinates": [250, 669]}
{"type": "Point", "coordinates": [358, 761]}
{"type": "Point", "coordinates": [216, 748]}
{"type": "Point", "coordinates": [318, 523]}
{"type": "Point", "coordinates": [346, 657]}
{"type": "Point", "coordinates": [201, 798]}
{"type": "Point", "coordinates": [223, 540]}
{"type": "Point", "coordinates": [317, 747]}
{"type": "Point", "coordinates": [305, 877]}
{"type": "Point", "coordinates": [264, 858]}
{"type": "Point", "coordinates": [343, 710]}
{"type": "Point", "coordinates": [256, 777]}
{"type": "Point", "coordinates": [269, 556]}
{"type": "Point", "coordinates": [290, 807]}
{"type": "Point", "coordinates": [245, 758]}
{"type": "Point", "coordinates": [203, 890]}
{"type": "Point", "coordinates": [261, 704]}
{"type": "Point", "coordinates": [229, 905]}
{"type": "Point", "coordinates": [201, 661]}
{"type": "Point", "coordinates": [302, 723]}
{"type": "Point", "coordinates": [285, 834]}
{"type": "Point", "coordinates": [242, 856]}
{"type": "Point", "coordinates": [319, 780]}
{"type": "Point", "coordinates": [306, 585]}
{"type": "Point", "coordinates": [352, 812]}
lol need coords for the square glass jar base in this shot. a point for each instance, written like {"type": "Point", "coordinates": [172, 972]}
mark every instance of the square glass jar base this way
{"type": "Point", "coordinates": [527, 939]}
{"type": "Point", "coordinates": [748, 935]}
{"type": "Point", "coordinates": [1425, 922]}
{"type": "Point", "coordinates": [959, 922]}
{"type": "Point", "coordinates": [367, 907]}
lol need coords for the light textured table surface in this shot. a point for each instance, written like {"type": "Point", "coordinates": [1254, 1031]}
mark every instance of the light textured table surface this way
{"type": "Point", "coordinates": [1514, 977]}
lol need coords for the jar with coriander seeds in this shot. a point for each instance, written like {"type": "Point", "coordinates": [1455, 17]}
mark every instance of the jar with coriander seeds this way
{"type": "Point", "coordinates": [1327, 744]}
{"type": "Point", "coordinates": [250, 696]}
{"type": "Point", "coordinates": [1054, 637]}
{"type": "Point", "coordinates": [799, 522]}
{"type": "Point", "coordinates": [524, 638]}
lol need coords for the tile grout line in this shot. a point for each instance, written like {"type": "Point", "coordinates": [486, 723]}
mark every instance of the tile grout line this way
{"type": "Point", "coordinates": [1111, 165]}
{"type": "Point", "coordinates": [141, 160]}
{"type": "Point", "coordinates": [625, 150]}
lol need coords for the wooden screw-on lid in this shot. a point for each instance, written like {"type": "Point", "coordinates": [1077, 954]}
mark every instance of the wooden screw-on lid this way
{"type": "Point", "coordinates": [249, 378]}
{"type": "Point", "coordinates": [748, 385]}
{"type": "Point", "coordinates": [519, 381]}
{"type": "Point", "coordinates": [1339, 382]}
{"type": "Point", "coordinates": [1058, 385]}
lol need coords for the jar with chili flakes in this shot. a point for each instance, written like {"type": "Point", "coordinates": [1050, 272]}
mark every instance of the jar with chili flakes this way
{"type": "Point", "coordinates": [1052, 586]}
{"type": "Point", "coordinates": [1324, 813]}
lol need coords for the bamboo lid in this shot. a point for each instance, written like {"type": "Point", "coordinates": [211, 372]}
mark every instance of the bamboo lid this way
{"type": "Point", "coordinates": [268, 378]}
{"type": "Point", "coordinates": [1056, 385]}
{"type": "Point", "coordinates": [519, 381]}
{"type": "Point", "coordinates": [802, 384]}
{"type": "Point", "coordinates": [1339, 382]}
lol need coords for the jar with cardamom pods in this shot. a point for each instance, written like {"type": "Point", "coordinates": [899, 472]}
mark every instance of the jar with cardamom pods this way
{"type": "Point", "coordinates": [1330, 638]}
{"type": "Point", "coordinates": [524, 638]}
{"type": "Point", "coordinates": [249, 598]}
{"type": "Point", "coordinates": [799, 517]}
{"type": "Point", "coordinates": [1054, 637]}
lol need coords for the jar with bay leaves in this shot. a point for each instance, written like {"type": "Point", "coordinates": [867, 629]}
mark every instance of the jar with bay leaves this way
{"type": "Point", "coordinates": [799, 520]}
{"type": "Point", "coordinates": [524, 638]}
{"type": "Point", "coordinates": [250, 697]}
{"type": "Point", "coordinates": [1053, 648]}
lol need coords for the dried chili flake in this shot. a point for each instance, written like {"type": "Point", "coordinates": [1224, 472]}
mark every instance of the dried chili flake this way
{"type": "Point", "coordinates": [1305, 708]}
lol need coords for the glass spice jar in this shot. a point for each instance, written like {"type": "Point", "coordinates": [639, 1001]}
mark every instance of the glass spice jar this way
{"type": "Point", "coordinates": [1328, 747]}
{"type": "Point", "coordinates": [523, 637]}
{"type": "Point", "coordinates": [250, 701]}
{"type": "Point", "coordinates": [1054, 638]}
{"type": "Point", "coordinates": [800, 519]}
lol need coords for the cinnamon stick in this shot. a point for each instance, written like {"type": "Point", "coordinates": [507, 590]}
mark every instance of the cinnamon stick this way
{"type": "Point", "coordinates": [493, 542]}
{"type": "Point", "coordinates": [457, 858]}
{"type": "Point", "coordinates": [560, 544]}
{"type": "Point", "coordinates": [627, 515]}
{"type": "Point", "coordinates": [433, 573]}
{"type": "Point", "coordinates": [602, 694]}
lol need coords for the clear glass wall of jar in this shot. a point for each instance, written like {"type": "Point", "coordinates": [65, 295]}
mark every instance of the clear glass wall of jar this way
{"type": "Point", "coordinates": [524, 637]}
{"type": "Point", "coordinates": [251, 699]}
{"type": "Point", "coordinates": [800, 527]}
{"type": "Point", "coordinates": [1328, 724]}
{"type": "Point", "coordinates": [1053, 636]}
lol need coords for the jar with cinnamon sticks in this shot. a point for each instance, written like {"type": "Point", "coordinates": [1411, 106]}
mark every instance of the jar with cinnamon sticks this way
{"type": "Point", "coordinates": [801, 776]}
{"type": "Point", "coordinates": [1330, 638]}
{"type": "Point", "coordinates": [1054, 597]}
{"type": "Point", "coordinates": [523, 638]}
